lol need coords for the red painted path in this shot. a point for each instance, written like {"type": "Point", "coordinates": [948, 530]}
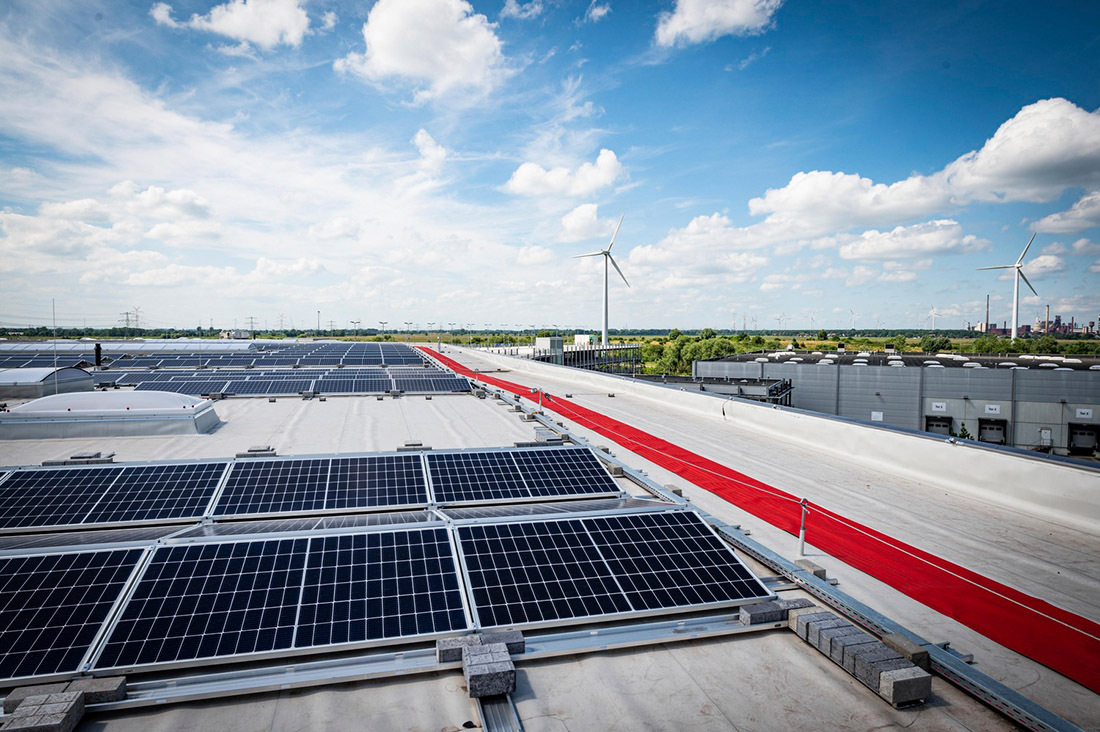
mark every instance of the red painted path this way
{"type": "Point", "coordinates": [1064, 641]}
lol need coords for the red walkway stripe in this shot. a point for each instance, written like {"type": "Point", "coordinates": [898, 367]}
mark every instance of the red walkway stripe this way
{"type": "Point", "coordinates": [1053, 636]}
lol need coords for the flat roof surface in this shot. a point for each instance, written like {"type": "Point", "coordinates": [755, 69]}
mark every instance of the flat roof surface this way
{"type": "Point", "coordinates": [768, 680]}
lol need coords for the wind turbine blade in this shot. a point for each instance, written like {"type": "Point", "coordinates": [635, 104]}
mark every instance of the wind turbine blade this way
{"type": "Point", "coordinates": [1024, 252]}
{"type": "Point", "coordinates": [616, 232]}
{"type": "Point", "coordinates": [1024, 278]}
{"type": "Point", "coordinates": [590, 254]}
{"type": "Point", "coordinates": [999, 266]}
{"type": "Point", "coordinates": [616, 266]}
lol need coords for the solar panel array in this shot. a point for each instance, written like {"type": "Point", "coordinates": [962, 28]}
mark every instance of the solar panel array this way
{"type": "Point", "coordinates": [240, 590]}
{"type": "Point", "coordinates": [273, 382]}
{"type": "Point", "coordinates": [35, 498]}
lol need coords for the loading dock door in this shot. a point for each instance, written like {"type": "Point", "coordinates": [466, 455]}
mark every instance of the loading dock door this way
{"type": "Point", "coordinates": [992, 431]}
{"type": "Point", "coordinates": [1082, 438]}
{"type": "Point", "coordinates": [938, 425]}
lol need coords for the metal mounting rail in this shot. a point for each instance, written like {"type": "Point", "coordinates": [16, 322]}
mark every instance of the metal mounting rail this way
{"type": "Point", "coordinates": [421, 660]}
{"type": "Point", "coordinates": [944, 661]}
{"type": "Point", "coordinates": [498, 714]}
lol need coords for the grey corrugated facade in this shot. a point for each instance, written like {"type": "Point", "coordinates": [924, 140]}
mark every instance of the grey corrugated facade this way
{"type": "Point", "coordinates": [1029, 408]}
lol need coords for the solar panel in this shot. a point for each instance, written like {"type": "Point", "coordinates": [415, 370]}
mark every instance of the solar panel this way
{"type": "Point", "coordinates": [234, 599]}
{"type": "Point", "coordinates": [68, 496]}
{"type": "Point", "coordinates": [210, 600]}
{"type": "Point", "coordinates": [524, 573]}
{"type": "Point", "coordinates": [52, 607]}
{"type": "Point", "coordinates": [269, 386]}
{"type": "Point", "coordinates": [517, 474]}
{"type": "Point", "coordinates": [159, 492]}
{"type": "Point", "coordinates": [431, 384]}
{"type": "Point", "coordinates": [274, 486]}
{"type": "Point", "coordinates": [475, 476]}
{"type": "Point", "coordinates": [379, 585]}
{"type": "Point", "coordinates": [387, 480]}
{"type": "Point", "coordinates": [571, 569]}
{"type": "Point", "coordinates": [563, 470]}
{"type": "Point", "coordinates": [353, 386]}
{"type": "Point", "coordinates": [52, 497]}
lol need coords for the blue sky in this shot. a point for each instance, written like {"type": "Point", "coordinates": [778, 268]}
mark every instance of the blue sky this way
{"type": "Point", "coordinates": [442, 161]}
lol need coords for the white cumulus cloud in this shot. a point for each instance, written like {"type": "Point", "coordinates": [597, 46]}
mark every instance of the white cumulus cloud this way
{"type": "Point", "coordinates": [920, 240]}
{"type": "Point", "coordinates": [584, 223]}
{"type": "Point", "coordinates": [439, 46]}
{"type": "Point", "coordinates": [265, 23]}
{"type": "Point", "coordinates": [521, 11]}
{"type": "Point", "coordinates": [1084, 214]}
{"type": "Point", "coordinates": [700, 21]}
{"type": "Point", "coordinates": [531, 179]}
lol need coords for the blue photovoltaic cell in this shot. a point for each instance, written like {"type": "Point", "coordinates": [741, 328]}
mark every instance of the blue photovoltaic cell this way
{"type": "Point", "coordinates": [531, 473]}
{"type": "Point", "coordinates": [208, 601]}
{"type": "Point", "coordinates": [52, 606]}
{"type": "Point", "coordinates": [536, 572]}
{"type": "Point", "coordinates": [159, 492]}
{"type": "Point", "coordinates": [385, 480]}
{"type": "Point", "coordinates": [522, 573]}
{"type": "Point", "coordinates": [563, 471]}
{"type": "Point", "coordinates": [379, 585]}
{"type": "Point", "coordinates": [475, 476]}
{"type": "Point", "coordinates": [274, 486]}
{"type": "Point", "coordinates": [52, 497]}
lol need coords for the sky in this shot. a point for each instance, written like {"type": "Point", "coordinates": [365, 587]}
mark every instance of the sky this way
{"type": "Point", "coordinates": [776, 163]}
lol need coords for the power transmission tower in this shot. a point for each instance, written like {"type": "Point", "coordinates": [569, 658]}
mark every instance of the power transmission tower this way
{"type": "Point", "coordinates": [280, 321]}
{"type": "Point", "coordinates": [251, 325]}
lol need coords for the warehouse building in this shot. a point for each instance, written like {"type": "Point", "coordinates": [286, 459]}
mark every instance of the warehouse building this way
{"type": "Point", "coordinates": [1048, 404]}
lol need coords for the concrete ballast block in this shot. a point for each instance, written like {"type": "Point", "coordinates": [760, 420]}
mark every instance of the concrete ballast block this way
{"type": "Point", "coordinates": [795, 604]}
{"type": "Point", "coordinates": [57, 712]}
{"type": "Point", "coordinates": [761, 612]}
{"type": "Point", "coordinates": [101, 689]}
{"type": "Point", "coordinates": [512, 639]}
{"type": "Point", "coordinates": [828, 637]}
{"type": "Point", "coordinates": [16, 696]}
{"type": "Point", "coordinates": [866, 665]}
{"type": "Point", "coordinates": [490, 679]}
{"type": "Point", "coordinates": [814, 628]}
{"type": "Point", "coordinates": [916, 654]}
{"type": "Point", "coordinates": [449, 650]}
{"type": "Point", "coordinates": [905, 685]}
{"type": "Point", "coordinates": [813, 568]}
{"type": "Point", "coordinates": [802, 623]}
{"type": "Point", "coordinates": [842, 645]}
{"type": "Point", "coordinates": [794, 615]}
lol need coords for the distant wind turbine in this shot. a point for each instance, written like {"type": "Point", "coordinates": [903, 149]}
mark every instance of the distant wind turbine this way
{"type": "Point", "coordinates": [606, 254]}
{"type": "Point", "coordinates": [932, 314]}
{"type": "Point", "coordinates": [854, 316]}
{"type": "Point", "coordinates": [1018, 273]}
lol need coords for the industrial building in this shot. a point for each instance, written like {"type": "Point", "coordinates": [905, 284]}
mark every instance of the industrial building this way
{"type": "Point", "coordinates": [1042, 403]}
{"type": "Point", "coordinates": [274, 480]}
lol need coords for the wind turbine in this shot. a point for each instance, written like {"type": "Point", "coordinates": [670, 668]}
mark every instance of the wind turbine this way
{"type": "Point", "coordinates": [606, 254]}
{"type": "Point", "coordinates": [854, 316]}
{"type": "Point", "coordinates": [1018, 272]}
{"type": "Point", "coordinates": [932, 314]}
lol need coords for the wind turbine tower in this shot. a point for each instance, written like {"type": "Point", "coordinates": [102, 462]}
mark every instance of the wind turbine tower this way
{"type": "Point", "coordinates": [606, 253]}
{"type": "Point", "coordinates": [1017, 274]}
